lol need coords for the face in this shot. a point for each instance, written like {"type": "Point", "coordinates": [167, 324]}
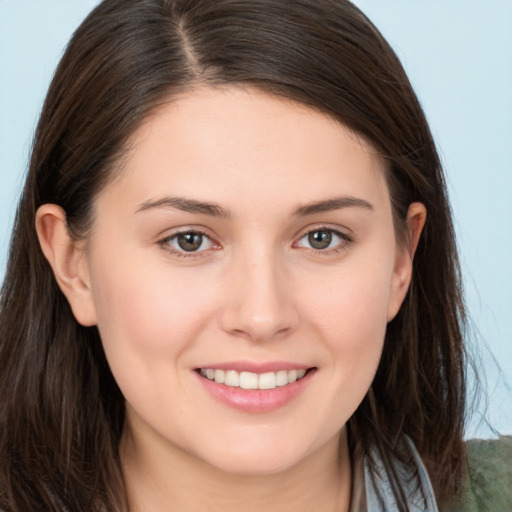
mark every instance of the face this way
{"type": "Point", "coordinates": [247, 243]}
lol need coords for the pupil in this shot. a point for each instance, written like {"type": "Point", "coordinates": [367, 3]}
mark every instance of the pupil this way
{"type": "Point", "coordinates": [320, 239]}
{"type": "Point", "coordinates": [190, 241]}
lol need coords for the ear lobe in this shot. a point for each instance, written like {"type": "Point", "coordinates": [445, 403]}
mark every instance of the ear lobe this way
{"type": "Point", "coordinates": [402, 274]}
{"type": "Point", "coordinates": [67, 260]}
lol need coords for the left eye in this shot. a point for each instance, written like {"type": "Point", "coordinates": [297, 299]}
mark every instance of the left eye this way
{"type": "Point", "coordinates": [190, 241]}
{"type": "Point", "coordinates": [321, 239]}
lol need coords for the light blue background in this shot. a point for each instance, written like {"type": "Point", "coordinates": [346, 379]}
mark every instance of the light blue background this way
{"type": "Point", "coordinates": [458, 54]}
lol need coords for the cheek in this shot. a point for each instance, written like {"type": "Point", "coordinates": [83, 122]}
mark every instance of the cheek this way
{"type": "Point", "coordinates": [351, 318]}
{"type": "Point", "coordinates": [147, 315]}
{"type": "Point", "coordinates": [352, 305]}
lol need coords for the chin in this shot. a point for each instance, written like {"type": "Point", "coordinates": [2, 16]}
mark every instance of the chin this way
{"type": "Point", "coordinates": [255, 466]}
{"type": "Point", "coordinates": [254, 460]}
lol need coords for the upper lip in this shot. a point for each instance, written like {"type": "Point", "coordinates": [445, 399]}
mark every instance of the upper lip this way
{"type": "Point", "coordinates": [255, 367]}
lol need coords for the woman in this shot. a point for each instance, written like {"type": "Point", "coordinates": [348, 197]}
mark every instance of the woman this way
{"type": "Point", "coordinates": [211, 300]}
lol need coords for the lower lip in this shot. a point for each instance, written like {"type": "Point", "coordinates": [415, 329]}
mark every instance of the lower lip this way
{"type": "Point", "coordinates": [256, 400]}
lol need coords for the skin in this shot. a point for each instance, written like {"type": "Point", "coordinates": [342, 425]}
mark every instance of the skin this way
{"type": "Point", "coordinates": [255, 291]}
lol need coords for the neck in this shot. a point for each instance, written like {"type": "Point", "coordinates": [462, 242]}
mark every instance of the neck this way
{"type": "Point", "coordinates": [157, 478]}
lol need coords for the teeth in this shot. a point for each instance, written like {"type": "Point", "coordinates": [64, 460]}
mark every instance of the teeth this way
{"type": "Point", "coordinates": [281, 378]}
{"type": "Point", "coordinates": [249, 380]}
{"type": "Point", "coordinates": [267, 381]}
{"type": "Point", "coordinates": [232, 379]}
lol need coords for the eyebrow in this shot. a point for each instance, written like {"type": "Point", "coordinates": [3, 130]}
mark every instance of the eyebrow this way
{"type": "Point", "coordinates": [186, 205]}
{"type": "Point", "coordinates": [215, 210]}
{"type": "Point", "coordinates": [335, 203]}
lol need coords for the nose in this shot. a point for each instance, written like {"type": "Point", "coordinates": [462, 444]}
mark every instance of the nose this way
{"type": "Point", "coordinates": [259, 302]}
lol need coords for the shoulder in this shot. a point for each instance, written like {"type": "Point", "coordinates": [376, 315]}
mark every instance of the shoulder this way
{"type": "Point", "coordinates": [488, 484]}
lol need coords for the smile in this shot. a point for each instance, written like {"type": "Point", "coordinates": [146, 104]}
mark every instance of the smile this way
{"type": "Point", "coordinates": [250, 380]}
{"type": "Point", "coordinates": [259, 391]}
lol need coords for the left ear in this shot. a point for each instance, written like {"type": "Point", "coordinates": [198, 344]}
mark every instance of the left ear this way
{"type": "Point", "coordinates": [402, 273]}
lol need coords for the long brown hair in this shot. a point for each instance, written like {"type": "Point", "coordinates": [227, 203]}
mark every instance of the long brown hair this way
{"type": "Point", "coordinates": [61, 412]}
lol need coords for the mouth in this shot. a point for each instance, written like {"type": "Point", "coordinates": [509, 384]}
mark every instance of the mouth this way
{"type": "Point", "coordinates": [254, 381]}
{"type": "Point", "coordinates": [268, 387]}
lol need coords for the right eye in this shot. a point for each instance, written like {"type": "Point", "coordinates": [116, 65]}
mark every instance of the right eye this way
{"type": "Point", "coordinates": [187, 242]}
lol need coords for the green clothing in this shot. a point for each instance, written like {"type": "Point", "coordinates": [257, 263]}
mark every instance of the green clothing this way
{"type": "Point", "coordinates": [488, 486]}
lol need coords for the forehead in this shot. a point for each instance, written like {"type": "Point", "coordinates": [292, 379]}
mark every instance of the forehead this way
{"type": "Point", "coordinates": [243, 145]}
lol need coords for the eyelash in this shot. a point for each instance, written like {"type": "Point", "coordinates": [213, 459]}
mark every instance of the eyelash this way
{"type": "Point", "coordinates": [345, 241]}
{"type": "Point", "coordinates": [165, 244]}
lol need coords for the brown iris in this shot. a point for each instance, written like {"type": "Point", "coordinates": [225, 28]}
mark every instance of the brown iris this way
{"type": "Point", "coordinates": [190, 241]}
{"type": "Point", "coordinates": [320, 239]}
